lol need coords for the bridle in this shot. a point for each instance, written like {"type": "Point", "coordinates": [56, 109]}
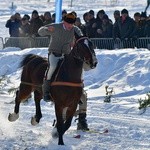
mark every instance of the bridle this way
{"type": "Point", "coordinates": [76, 52]}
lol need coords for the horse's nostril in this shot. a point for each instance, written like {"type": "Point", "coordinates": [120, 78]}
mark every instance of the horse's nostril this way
{"type": "Point", "coordinates": [95, 64]}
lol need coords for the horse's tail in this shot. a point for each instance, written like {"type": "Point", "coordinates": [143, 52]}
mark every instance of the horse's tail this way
{"type": "Point", "coordinates": [26, 59]}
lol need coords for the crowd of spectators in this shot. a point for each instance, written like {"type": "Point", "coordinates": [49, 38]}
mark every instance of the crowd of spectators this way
{"type": "Point", "coordinates": [28, 26]}
{"type": "Point", "coordinates": [95, 25]}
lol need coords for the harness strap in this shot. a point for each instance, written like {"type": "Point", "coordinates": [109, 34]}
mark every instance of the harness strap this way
{"type": "Point", "coordinates": [56, 83]}
{"type": "Point", "coordinates": [31, 84]}
{"type": "Point", "coordinates": [67, 84]}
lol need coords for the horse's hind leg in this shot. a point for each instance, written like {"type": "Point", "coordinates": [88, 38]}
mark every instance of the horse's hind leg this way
{"type": "Point", "coordinates": [37, 98]}
{"type": "Point", "coordinates": [22, 94]}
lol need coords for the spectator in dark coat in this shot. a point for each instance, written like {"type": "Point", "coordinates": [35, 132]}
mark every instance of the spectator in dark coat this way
{"type": "Point", "coordinates": [24, 29]}
{"type": "Point", "coordinates": [85, 17]}
{"type": "Point", "coordinates": [27, 17]}
{"type": "Point", "coordinates": [116, 15]}
{"type": "Point", "coordinates": [80, 25]}
{"type": "Point", "coordinates": [64, 12]}
{"type": "Point", "coordinates": [100, 15]}
{"type": "Point", "coordinates": [53, 17]}
{"type": "Point", "coordinates": [115, 32]}
{"type": "Point", "coordinates": [13, 24]}
{"type": "Point", "coordinates": [107, 27]}
{"type": "Point", "coordinates": [90, 25]}
{"type": "Point", "coordinates": [147, 27]}
{"type": "Point", "coordinates": [98, 20]}
{"type": "Point", "coordinates": [106, 31]}
{"type": "Point", "coordinates": [124, 26]}
{"type": "Point", "coordinates": [47, 18]}
{"type": "Point", "coordinates": [140, 23]}
{"type": "Point", "coordinates": [35, 24]}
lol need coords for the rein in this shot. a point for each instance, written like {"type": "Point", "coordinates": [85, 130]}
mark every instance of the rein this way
{"type": "Point", "coordinates": [81, 39]}
{"type": "Point", "coordinates": [76, 47]}
{"type": "Point", "coordinates": [56, 83]}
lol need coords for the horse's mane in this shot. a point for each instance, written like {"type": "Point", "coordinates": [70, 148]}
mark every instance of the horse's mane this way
{"type": "Point", "coordinates": [35, 59]}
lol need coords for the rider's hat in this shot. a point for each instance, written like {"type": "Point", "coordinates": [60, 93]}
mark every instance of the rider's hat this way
{"type": "Point", "coordinates": [70, 18]}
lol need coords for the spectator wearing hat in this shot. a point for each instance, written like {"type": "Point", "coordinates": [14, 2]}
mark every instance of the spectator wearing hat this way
{"type": "Point", "coordinates": [85, 17]}
{"type": "Point", "coordinates": [62, 38]}
{"type": "Point", "coordinates": [64, 12]}
{"type": "Point", "coordinates": [100, 14]}
{"type": "Point", "coordinates": [86, 20]}
{"type": "Point", "coordinates": [90, 25]}
{"type": "Point", "coordinates": [26, 16]}
{"type": "Point", "coordinates": [35, 23]}
{"type": "Point", "coordinates": [13, 24]}
{"type": "Point", "coordinates": [47, 18]}
{"type": "Point", "coordinates": [137, 17]}
{"type": "Point", "coordinates": [98, 20]}
{"type": "Point", "coordinates": [24, 29]}
{"type": "Point", "coordinates": [147, 27]}
{"type": "Point", "coordinates": [106, 29]}
{"type": "Point", "coordinates": [53, 17]}
{"type": "Point", "coordinates": [80, 25]}
{"type": "Point", "coordinates": [124, 26]}
{"type": "Point", "coordinates": [139, 27]}
{"type": "Point", "coordinates": [116, 17]}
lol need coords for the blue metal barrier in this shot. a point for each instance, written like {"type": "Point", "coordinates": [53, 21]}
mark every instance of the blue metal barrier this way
{"type": "Point", "coordinates": [100, 43]}
{"type": "Point", "coordinates": [110, 43]}
{"type": "Point", "coordinates": [26, 42]}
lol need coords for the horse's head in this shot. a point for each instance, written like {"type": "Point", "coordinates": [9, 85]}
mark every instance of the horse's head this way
{"type": "Point", "coordinates": [84, 51]}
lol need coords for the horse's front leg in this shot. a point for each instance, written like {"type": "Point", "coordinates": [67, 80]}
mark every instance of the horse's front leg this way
{"type": "Point", "coordinates": [60, 123]}
{"type": "Point", "coordinates": [67, 124]}
{"type": "Point", "coordinates": [60, 129]}
{"type": "Point", "coordinates": [14, 116]}
{"type": "Point", "coordinates": [37, 98]}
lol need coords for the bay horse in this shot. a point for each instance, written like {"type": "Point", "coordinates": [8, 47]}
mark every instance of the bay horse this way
{"type": "Point", "coordinates": [66, 87]}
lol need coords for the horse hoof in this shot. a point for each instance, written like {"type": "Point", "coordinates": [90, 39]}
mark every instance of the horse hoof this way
{"type": "Point", "coordinates": [13, 117]}
{"type": "Point", "coordinates": [54, 133]}
{"type": "Point", "coordinates": [33, 121]}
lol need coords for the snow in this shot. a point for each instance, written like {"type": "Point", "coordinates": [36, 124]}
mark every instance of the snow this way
{"type": "Point", "coordinates": [127, 71]}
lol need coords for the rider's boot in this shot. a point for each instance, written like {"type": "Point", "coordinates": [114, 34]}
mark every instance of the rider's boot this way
{"type": "Point", "coordinates": [46, 91]}
{"type": "Point", "coordinates": [82, 124]}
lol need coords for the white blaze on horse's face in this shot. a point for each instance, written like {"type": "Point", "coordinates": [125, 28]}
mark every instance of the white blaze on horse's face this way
{"type": "Point", "coordinates": [86, 43]}
{"type": "Point", "coordinates": [94, 60]}
{"type": "Point", "coordinates": [86, 65]}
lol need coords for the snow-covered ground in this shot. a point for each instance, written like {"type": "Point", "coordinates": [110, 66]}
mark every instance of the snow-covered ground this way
{"type": "Point", "coordinates": [127, 71]}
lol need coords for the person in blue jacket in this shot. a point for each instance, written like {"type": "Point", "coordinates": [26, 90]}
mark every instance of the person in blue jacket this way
{"type": "Point", "coordinates": [13, 24]}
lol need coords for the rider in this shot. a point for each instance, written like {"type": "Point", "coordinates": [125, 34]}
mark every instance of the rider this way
{"type": "Point", "coordinates": [61, 41]}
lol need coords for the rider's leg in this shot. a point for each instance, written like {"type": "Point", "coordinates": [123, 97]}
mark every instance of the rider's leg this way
{"type": "Point", "coordinates": [53, 60]}
{"type": "Point", "coordinates": [82, 122]}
